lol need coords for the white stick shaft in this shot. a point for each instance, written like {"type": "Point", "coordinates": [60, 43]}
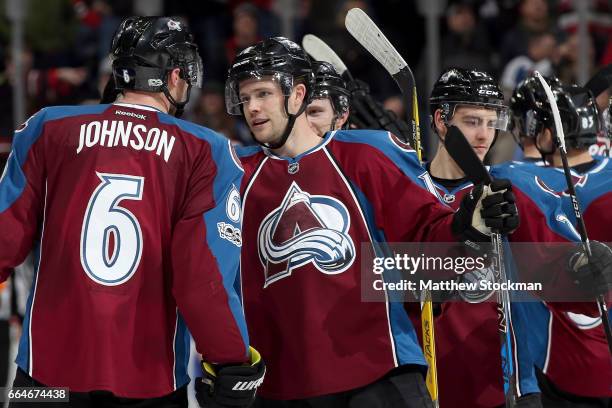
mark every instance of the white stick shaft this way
{"type": "Point", "coordinates": [555, 111]}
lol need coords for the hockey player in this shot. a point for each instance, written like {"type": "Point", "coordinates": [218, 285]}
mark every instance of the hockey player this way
{"type": "Point", "coordinates": [329, 106]}
{"type": "Point", "coordinates": [308, 206]}
{"type": "Point", "coordinates": [573, 357]}
{"type": "Point", "coordinates": [601, 87]}
{"type": "Point", "coordinates": [468, 337]}
{"type": "Point", "coordinates": [136, 218]}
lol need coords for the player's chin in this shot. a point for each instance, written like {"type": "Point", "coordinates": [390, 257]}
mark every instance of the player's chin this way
{"type": "Point", "coordinates": [264, 136]}
{"type": "Point", "coordinates": [481, 152]}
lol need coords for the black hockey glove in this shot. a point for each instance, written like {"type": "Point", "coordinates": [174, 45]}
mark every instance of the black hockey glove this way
{"type": "Point", "coordinates": [230, 385]}
{"type": "Point", "coordinates": [529, 401]}
{"type": "Point", "coordinates": [484, 210]}
{"type": "Point", "coordinates": [367, 113]}
{"type": "Point", "coordinates": [594, 277]}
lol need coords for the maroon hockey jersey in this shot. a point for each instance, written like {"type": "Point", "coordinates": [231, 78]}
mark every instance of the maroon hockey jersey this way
{"type": "Point", "coordinates": [305, 221]}
{"type": "Point", "coordinates": [137, 218]}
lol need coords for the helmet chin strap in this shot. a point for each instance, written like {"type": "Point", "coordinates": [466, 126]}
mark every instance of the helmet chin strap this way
{"type": "Point", "coordinates": [179, 106]}
{"type": "Point", "coordinates": [283, 139]}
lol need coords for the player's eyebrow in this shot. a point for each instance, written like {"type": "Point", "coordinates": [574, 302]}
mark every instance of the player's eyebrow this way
{"type": "Point", "coordinates": [479, 117]}
{"type": "Point", "coordinates": [258, 89]}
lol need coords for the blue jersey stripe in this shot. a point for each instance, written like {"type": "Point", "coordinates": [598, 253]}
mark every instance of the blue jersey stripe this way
{"type": "Point", "coordinates": [244, 151]}
{"type": "Point", "coordinates": [227, 179]}
{"type": "Point", "coordinates": [549, 204]}
{"type": "Point", "coordinates": [23, 351]}
{"type": "Point", "coordinates": [181, 352]}
{"type": "Point", "coordinates": [402, 157]}
{"type": "Point", "coordinates": [14, 180]}
{"type": "Point", "coordinates": [225, 252]}
{"type": "Point", "coordinates": [407, 348]}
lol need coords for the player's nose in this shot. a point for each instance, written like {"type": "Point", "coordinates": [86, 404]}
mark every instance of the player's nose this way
{"type": "Point", "coordinates": [252, 105]}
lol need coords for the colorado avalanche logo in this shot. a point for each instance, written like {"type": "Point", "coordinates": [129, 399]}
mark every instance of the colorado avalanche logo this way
{"type": "Point", "coordinates": [584, 322]}
{"type": "Point", "coordinates": [305, 228]}
{"type": "Point", "coordinates": [579, 181]}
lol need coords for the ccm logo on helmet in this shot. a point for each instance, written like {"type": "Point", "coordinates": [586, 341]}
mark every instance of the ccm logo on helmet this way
{"type": "Point", "coordinates": [250, 385]}
{"type": "Point", "coordinates": [487, 92]}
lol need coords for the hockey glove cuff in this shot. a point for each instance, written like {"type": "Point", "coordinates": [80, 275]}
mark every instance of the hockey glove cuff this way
{"type": "Point", "coordinates": [594, 277]}
{"type": "Point", "coordinates": [230, 385]}
{"type": "Point", "coordinates": [484, 210]}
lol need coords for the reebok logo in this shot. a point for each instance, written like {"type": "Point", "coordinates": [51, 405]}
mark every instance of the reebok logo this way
{"type": "Point", "coordinates": [132, 114]}
{"type": "Point", "coordinates": [247, 385]}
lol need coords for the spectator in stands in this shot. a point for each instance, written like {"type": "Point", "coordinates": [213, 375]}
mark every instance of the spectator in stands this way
{"type": "Point", "coordinates": [541, 54]}
{"type": "Point", "coordinates": [534, 19]}
{"type": "Point", "coordinates": [466, 43]}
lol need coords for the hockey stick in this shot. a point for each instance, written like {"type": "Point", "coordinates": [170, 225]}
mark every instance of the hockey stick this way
{"type": "Point", "coordinates": [367, 33]}
{"type": "Point", "coordinates": [367, 112]}
{"type": "Point", "coordinates": [465, 157]}
{"type": "Point", "coordinates": [560, 142]}
{"type": "Point", "coordinates": [320, 51]}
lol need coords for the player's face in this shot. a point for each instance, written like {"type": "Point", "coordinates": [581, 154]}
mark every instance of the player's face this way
{"type": "Point", "coordinates": [263, 107]}
{"type": "Point", "coordinates": [320, 115]}
{"type": "Point", "coordinates": [477, 124]}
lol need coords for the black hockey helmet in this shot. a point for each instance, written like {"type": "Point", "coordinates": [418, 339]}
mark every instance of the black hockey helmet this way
{"type": "Point", "coordinates": [579, 116]}
{"type": "Point", "coordinates": [531, 112]}
{"type": "Point", "coordinates": [459, 86]}
{"type": "Point", "coordinates": [529, 107]}
{"type": "Point", "coordinates": [145, 49]}
{"type": "Point", "coordinates": [329, 84]}
{"type": "Point", "coordinates": [278, 59]}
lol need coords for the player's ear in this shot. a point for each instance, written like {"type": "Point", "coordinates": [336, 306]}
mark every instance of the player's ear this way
{"type": "Point", "coordinates": [341, 120]}
{"type": "Point", "coordinates": [438, 122]}
{"type": "Point", "coordinates": [299, 92]}
{"type": "Point", "coordinates": [174, 77]}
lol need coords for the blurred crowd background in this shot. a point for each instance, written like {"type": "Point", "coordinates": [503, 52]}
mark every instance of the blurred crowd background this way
{"type": "Point", "coordinates": [55, 52]}
{"type": "Point", "coordinates": [64, 45]}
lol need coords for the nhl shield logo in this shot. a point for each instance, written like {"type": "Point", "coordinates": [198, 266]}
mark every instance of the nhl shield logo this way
{"type": "Point", "coordinates": [305, 229]}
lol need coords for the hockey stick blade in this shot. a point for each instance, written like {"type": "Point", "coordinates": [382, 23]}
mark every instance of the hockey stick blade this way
{"type": "Point", "coordinates": [367, 33]}
{"type": "Point", "coordinates": [462, 153]}
{"type": "Point", "coordinates": [359, 24]}
{"type": "Point", "coordinates": [320, 51]}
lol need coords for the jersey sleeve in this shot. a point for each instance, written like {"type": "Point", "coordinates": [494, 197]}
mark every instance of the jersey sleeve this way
{"type": "Point", "coordinates": [405, 210]}
{"type": "Point", "coordinates": [206, 245]}
{"type": "Point", "coordinates": [550, 236]}
{"type": "Point", "coordinates": [22, 194]}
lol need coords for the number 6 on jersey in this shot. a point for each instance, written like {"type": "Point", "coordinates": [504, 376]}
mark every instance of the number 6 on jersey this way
{"type": "Point", "coordinates": [105, 263]}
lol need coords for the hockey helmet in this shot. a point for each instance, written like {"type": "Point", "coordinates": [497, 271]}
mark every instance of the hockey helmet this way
{"type": "Point", "coordinates": [329, 84]}
{"type": "Point", "coordinates": [276, 58]}
{"type": "Point", "coordinates": [459, 86]}
{"type": "Point", "coordinates": [145, 49]}
{"type": "Point", "coordinates": [531, 112]}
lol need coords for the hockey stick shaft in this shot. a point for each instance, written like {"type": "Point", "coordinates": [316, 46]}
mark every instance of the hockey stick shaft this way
{"type": "Point", "coordinates": [504, 318]}
{"type": "Point", "coordinates": [462, 153]}
{"type": "Point", "coordinates": [560, 142]}
{"type": "Point", "coordinates": [367, 33]}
